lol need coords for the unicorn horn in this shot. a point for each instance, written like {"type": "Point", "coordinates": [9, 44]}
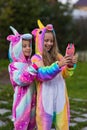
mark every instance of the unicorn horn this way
{"type": "Point", "coordinates": [40, 24]}
{"type": "Point", "coordinates": [14, 30]}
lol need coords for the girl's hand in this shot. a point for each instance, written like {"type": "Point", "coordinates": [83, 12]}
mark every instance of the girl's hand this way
{"type": "Point", "coordinates": [73, 61]}
{"type": "Point", "coordinates": [64, 61]}
{"type": "Point", "coordinates": [75, 58]}
{"type": "Point", "coordinates": [39, 63]}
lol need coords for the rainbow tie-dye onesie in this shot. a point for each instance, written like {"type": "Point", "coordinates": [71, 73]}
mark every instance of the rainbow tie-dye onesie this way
{"type": "Point", "coordinates": [22, 74]}
{"type": "Point", "coordinates": [52, 98]}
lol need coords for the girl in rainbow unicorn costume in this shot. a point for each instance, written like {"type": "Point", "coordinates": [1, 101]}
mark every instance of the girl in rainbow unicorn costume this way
{"type": "Point", "coordinates": [52, 99]}
{"type": "Point", "coordinates": [22, 75]}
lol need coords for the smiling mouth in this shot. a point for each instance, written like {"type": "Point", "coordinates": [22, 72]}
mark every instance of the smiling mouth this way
{"type": "Point", "coordinates": [27, 51]}
{"type": "Point", "coordinates": [48, 47]}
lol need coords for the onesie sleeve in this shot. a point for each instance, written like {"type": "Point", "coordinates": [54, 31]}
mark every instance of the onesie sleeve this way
{"type": "Point", "coordinates": [67, 72]}
{"type": "Point", "coordinates": [45, 73]}
{"type": "Point", "coordinates": [21, 74]}
{"type": "Point", "coordinates": [48, 72]}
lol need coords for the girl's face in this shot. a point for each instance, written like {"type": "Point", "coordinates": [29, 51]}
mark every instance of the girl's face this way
{"type": "Point", "coordinates": [26, 47]}
{"type": "Point", "coordinates": [48, 41]}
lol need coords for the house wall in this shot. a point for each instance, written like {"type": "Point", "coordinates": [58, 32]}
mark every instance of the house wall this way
{"type": "Point", "coordinates": [82, 8]}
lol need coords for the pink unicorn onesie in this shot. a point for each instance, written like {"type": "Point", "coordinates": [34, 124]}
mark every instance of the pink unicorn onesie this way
{"type": "Point", "coordinates": [22, 74]}
{"type": "Point", "coordinates": [52, 98]}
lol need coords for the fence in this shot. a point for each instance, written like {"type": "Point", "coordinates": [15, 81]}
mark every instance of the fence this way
{"type": "Point", "coordinates": [82, 55]}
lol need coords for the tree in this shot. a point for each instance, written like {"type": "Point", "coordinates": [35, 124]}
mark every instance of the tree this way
{"type": "Point", "coordinates": [5, 20]}
{"type": "Point", "coordinates": [23, 14]}
{"type": "Point", "coordinates": [60, 16]}
{"type": "Point", "coordinates": [20, 14]}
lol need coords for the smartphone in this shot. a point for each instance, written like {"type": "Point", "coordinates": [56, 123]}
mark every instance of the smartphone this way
{"type": "Point", "coordinates": [70, 49]}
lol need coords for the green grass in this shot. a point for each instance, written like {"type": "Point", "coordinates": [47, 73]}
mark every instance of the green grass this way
{"type": "Point", "coordinates": [3, 63]}
{"type": "Point", "coordinates": [6, 94]}
{"type": "Point", "coordinates": [77, 88]}
{"type": "Point", "coordinates": [76, 85]}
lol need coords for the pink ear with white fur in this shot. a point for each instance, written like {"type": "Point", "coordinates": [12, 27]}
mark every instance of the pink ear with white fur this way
{"type": "Point", "coordinates": [9, 38]}
{"type": "Point", "coordinates": [34, 32]}
{"type": "Point", "coordinates": [14, 39]}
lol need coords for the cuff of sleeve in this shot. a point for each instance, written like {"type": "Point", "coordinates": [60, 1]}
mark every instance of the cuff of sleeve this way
{"type": "Point", "coordinates": [59, 68]}
{"type": "Point", "coordinates": [71, 68]}
{"type": "Point", "coordinates": [35, 66]}
{"type": "Point", "coordinates": [74, 66]}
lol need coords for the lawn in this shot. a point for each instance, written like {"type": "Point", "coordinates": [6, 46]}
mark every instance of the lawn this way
{"type": "Point", "coordinates": [76, 86]}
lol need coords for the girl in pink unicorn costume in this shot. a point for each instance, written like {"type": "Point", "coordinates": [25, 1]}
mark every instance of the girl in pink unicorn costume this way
{"type": "Point", "coordinates": [22, 74]}
{"type": "Point", "coordinates": [52, 99]}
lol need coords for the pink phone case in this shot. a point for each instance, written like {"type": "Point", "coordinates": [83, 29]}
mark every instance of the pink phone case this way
{"type": "Point", "coordinates": [70, 50]}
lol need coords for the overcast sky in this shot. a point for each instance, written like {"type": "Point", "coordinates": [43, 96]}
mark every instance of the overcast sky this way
{"type": "Point", "coordinates": [72, 1]}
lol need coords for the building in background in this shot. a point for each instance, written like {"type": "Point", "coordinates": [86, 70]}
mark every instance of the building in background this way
{"type": "Point", "coordinates": [81, 5]}
{"type": "Point", "coordinates": [80, 9]}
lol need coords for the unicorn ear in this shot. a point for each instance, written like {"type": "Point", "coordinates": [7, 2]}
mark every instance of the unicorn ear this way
{"type": "Point", "coordinates": [40, 24]}
{"type": "Point", "coordinates": [9, 38]}
{"type": "Point", "coordinates": [34, 32]}
{"type": "Point", "coordinates": [14, 30]}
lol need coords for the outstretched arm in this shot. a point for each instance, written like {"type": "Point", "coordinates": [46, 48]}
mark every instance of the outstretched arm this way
{"type": "Point", "coordinates": [48, 72]}
{"type": "Point", "coordinates": [45, 72]}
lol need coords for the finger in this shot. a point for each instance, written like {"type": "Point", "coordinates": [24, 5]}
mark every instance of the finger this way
{"type": "Point", "coordinates": [67, 56]}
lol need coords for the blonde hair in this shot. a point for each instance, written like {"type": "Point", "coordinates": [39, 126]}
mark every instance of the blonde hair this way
{"type": "Point", "coordinates": [51, 56]}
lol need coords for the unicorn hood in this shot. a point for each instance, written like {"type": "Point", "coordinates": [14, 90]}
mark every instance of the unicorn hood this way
{"type": "Point", "coordinates": [15, 47]}
{"type": "Point", "coordinates": [38, 34]}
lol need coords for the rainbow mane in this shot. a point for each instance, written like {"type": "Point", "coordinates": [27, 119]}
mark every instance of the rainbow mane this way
{"type": "Point", "coordinates": [39, 36]}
